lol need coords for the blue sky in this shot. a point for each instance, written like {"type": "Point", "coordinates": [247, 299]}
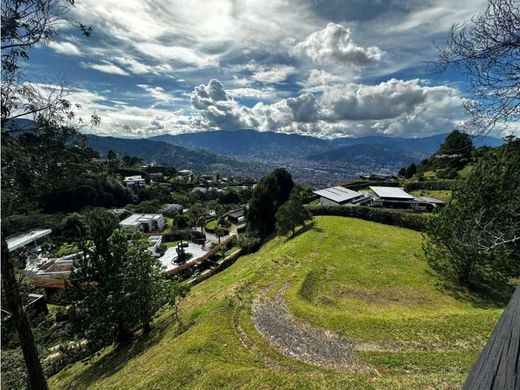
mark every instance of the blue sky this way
{"type": "Point", "coordinates": [322, 68]}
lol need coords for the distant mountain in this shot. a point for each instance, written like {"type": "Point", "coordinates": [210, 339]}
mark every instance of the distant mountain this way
{"type": "Point", "coordinates": [272, 145]}
{"type": "Point", "coordinates": [249, 143]}
{"type": "Point", "coordinates": [368, 154]}
{"type": "Point", "coordinates": [179, 157]}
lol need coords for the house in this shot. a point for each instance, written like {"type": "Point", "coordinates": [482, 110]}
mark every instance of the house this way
{"type": "Point", "coordinates": [392, 197]}
{"type": "Point", "coordinates": [339, 196]}
{"type": "Point", "coordinates": [134, 181]}
{"type": "Point", "coordinates": [145, 222]}
{"type": "Point", "coordinates": [379, 176]}
{"type": "Point", "coordinates": [31, 240]}
{"type": "Point", "coordinates": [427, 203]}
{"type": "Point", "coordinates": [236, 217]}
{"type": "Point", "coordinates": [185, 172]}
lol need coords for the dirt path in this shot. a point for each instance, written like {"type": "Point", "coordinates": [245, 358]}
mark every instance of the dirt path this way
{"type": "Point", "coordinates": [299, 340]}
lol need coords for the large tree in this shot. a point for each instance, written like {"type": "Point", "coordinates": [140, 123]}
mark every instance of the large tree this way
{"type": "Point", "coordinates": [487, 50]}
{"type": "Point", "coordinates": [475, 240]}
{"type": "Point", "coordinates": [270, 193]}
{"type": "Point", "coordinates": [291, 214]}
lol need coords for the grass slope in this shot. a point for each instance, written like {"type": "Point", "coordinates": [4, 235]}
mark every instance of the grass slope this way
{"type": "Point", "coordinates": [363, 280]}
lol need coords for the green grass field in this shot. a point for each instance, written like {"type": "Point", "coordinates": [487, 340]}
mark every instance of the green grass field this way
{"type": "Point", "coordinates": [362, 280]}
{"type": "Point", "coordinates": [444, 195]}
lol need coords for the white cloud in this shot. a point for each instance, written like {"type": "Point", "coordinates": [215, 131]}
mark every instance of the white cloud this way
{"type": "Point", "coordinates": [137, 67]}
{"type": "Point", "coordinates": [319, 79]}
{"type": "Point", "coordinates": [267, 93]}
{"type": "Point", "coordinates": [303, 108]}
{"type": "Point", "coordinates": [159, 95]}
{"type": "Point", "coordinates": [107, 67]}
{"type": "Point", "coordinates": [334, 45]}
{"type": "Point", "coordinates": [64, 47]}
{"type": "Point", "coordinates": [273, 74]}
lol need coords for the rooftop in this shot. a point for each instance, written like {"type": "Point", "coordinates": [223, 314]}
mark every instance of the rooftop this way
{"type": "Point", "coordinates": [133, 178]}
{"type": "Point", "coordinates": [338, 194]}
{"type": "Point", "coordinates": [429, 199]}
{"type": "Point", "coordinates": [20, 240]}
{"type": "Point", "coordinates": [391, 192]}
{"type": "Point", "coordinates": [137, 219]}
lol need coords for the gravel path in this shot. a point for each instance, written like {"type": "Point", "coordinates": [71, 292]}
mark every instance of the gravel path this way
{"type": "Point", "coordinates": [299, 340]}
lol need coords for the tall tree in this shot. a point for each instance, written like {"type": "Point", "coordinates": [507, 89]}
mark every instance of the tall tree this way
{"type": "Point", "coordinates": [291, 214]}
{"type": "Point", "coordinates": [487, 50]}
{"type": "Point", "coordinates": [475, 240]}
{"type": "Point", "coordinates": [270, 193]}
{"type": "Point", "coordinates": [457, 143]}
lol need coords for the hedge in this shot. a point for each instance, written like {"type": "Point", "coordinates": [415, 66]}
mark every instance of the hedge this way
{"type": "Point", "coordinates": [186, 235]}
{"type": "Point", "coordinates": [430, 185]}
{"type": "Point", "coordinates": [389, 217]}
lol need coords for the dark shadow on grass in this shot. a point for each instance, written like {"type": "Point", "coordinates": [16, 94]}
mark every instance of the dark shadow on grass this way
{"type": "Point", "coordinates": [485, 297]}
{"type": "Point", "coordinates": [119, 357]}
{"type": "Point", "coordinates": [304, 229]}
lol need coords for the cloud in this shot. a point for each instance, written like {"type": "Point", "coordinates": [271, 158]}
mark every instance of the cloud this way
{"type": "Point", "coordinates": [159, 95]}
{"type": "Point", "coordinates": [334, 45]}
{"type": "Point", "coordinates": [267, 93]}
{"type": "Point", "coordinates": [303, 108]}
{"type": "Point", "coordinates": [66, 48]}
{"type": "Point", "coordinates": [138, 67]}
{"type": "Point", "coordinates": [107, 67]}
{"type": "Point", "coordinates": [273, 74]}
{"type": "Point", "coordinates": [319, 79]}
{"type": "Point", "coordinates": [361, 102]}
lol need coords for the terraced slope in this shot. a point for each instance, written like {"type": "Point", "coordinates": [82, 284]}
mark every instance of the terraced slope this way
{"type": "Point", "coordinates": [359, 286]}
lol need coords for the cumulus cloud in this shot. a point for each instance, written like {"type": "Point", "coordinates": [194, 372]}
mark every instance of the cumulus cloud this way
{"type": "Point", "coordinates": [303, 108]}
{"type": "Point", "coordinates": [334, 45]}
{"type": "Point", "coordinates": [319, 79]}
{"type": "Point", "coordinates": [361, 102]}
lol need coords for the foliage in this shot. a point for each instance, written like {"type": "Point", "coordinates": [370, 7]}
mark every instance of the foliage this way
{"type": "Point", "coordinates": [475, 240]}
{"type": "Point", "coordinates": [270, 193]}
{"type": "Point", "coordinates": [248, 242]}
{"type": "Point", "coordinates": [456, 143]}
{"type": "Point", "coordinates": [176, 293]}
{"type": "Point", "coordinates": [363, 281]}
{"type": "Point", "coordinates": [389, 217]}
{"type": "Point", "coordinates": [291, 214]}
{"type": "Point", "coordinates": [107, 290]}
{"type": "Point", "coordinates": [429, 185]}
{"type": "Point", "coordinates": [74, 227]}
{"type": "Point", "coordinates": [184, 234]}
{"type": "Point", "coordinates": [487, 50]}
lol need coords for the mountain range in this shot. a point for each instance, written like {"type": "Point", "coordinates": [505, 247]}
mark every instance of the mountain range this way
{"type": "Point", "coordinates": [311, 160]}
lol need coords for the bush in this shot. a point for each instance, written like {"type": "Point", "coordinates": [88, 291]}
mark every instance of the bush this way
{"type": "Point", "coordinates": [248, 242]}
{"type": "Point", "coordinates": [389, 217]}
{"type": "Point", "coordinates": [186, 235]}
{"type": "Point", "coordinates": [429, 185]}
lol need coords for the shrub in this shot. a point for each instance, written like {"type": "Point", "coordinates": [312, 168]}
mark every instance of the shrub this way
{"type": "Point", "coordinates": [389, 217]}
{"type": "Point", "coordinates": [429, 185]}
{"type": "Point", "coordinates": [248, 242]}
{"type": "Point", "coordinates": [186, 235]}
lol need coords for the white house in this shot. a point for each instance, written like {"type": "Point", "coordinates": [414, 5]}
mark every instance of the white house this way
{"type": "Point", "coordinates": [31, 240]}
{"type": "Point", "coordinates": [146, 222]}
{"type": "Point", "coordinates": [339, 196]}
{"type": "Point", "coordinates": [134, 181]}
{"type": "Point", "coordinates": [392, 197]}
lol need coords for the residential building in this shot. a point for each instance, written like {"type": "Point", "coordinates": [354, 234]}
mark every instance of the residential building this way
{"type": "Point", "coordinates": [31, 240]}
{"type": "Point", "coordinates": [134, 181]}
{"type": "Point", "coordinates": [145, 222]}
{"type": "Point", "coordinates": [392, 197]}
{"type": "Point", "coordinates": [340, 196]}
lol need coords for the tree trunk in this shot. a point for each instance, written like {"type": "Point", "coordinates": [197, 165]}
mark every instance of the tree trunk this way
{"type": "Point", "coordinates": [37, 380]}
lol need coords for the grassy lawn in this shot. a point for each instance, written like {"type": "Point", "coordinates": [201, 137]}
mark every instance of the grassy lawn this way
{"type": "Point", "coordinates": [171, 243]}
{"type": "Point", "coordinates": [365, 281]}
{"type": "Point", "coordinates": [444, 195]}
{"type": "Point", "coordinates": [168, 224]}
{"type": "Point", "coordinates": [212, 225]}
{"type": "Point", "coordinates": [66, 249]}
{"type": "Point", "coordinates": [464, 172]}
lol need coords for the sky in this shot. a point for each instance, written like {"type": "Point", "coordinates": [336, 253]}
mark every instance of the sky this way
{"type": "Point", "coordinates": [325, 68]}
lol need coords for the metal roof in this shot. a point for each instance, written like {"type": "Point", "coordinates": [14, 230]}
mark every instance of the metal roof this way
{"type": "Point", "coordinates": [20, 240]}
{"type": "Point", "coordinates": [429, 199]}
{"type": "Point", "coordinates": [137, 219]}
{"type": "Point", "coordinates": [391, 192]}
{"type": "Point", "coordinates": [338, 194]}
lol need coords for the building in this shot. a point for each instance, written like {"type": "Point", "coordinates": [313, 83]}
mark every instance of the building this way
{"type": "Point", "coordinates": [31, 240]}
{"type": "Point", "coordinates": [427, 203]}
{"type": "Point", "coordinates": [237, 217]}
{"type": "Point", "coordinates": [340, 196]}
{"type": "Point", "coordinates": [379, 176]}
{"type": "Point", "coordinates": [145, 222]}
{"type": "Point", "coordinates": [392, 197]}
{"type": "Point", "coordinates": [185, 172]}
{"type": "Point", "coordinates": [134, 181]}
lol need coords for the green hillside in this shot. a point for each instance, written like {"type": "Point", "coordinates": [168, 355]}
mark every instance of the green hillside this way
{"type": "Point", "coordinates": [362, 280]}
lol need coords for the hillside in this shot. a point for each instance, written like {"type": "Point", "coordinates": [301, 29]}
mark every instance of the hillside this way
{"type": "Point", "coordinates": [394, 327]}
{"type": "Point", "coordinates": [176, 156]}
{"type": "Point", "coordinates": [280, 145]}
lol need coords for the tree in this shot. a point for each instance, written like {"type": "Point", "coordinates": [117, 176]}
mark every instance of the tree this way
{"type": "Point", "coordinates": [411, 170]}
{"type": "Point", "coordinates": [74, 227]}
{"type": "Point", "coordinates": [219, 232]}
{"type": "Point", "coordinates": [291, 214]}
{"type": "Point", "coordinates": [144, 281]}
{"type": "Point", "coordinates": [270, 193]}
{"type": "Point", "coordinates": [177, 293]}
{"type": "Point", "coordinates": [475, 240]}
{"type": "Point", "coordinates": [402, 172]}
{"type": "Point", "coordinates": [457, 143]}
{"type": "Point", "coordinates": [487, 50]}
